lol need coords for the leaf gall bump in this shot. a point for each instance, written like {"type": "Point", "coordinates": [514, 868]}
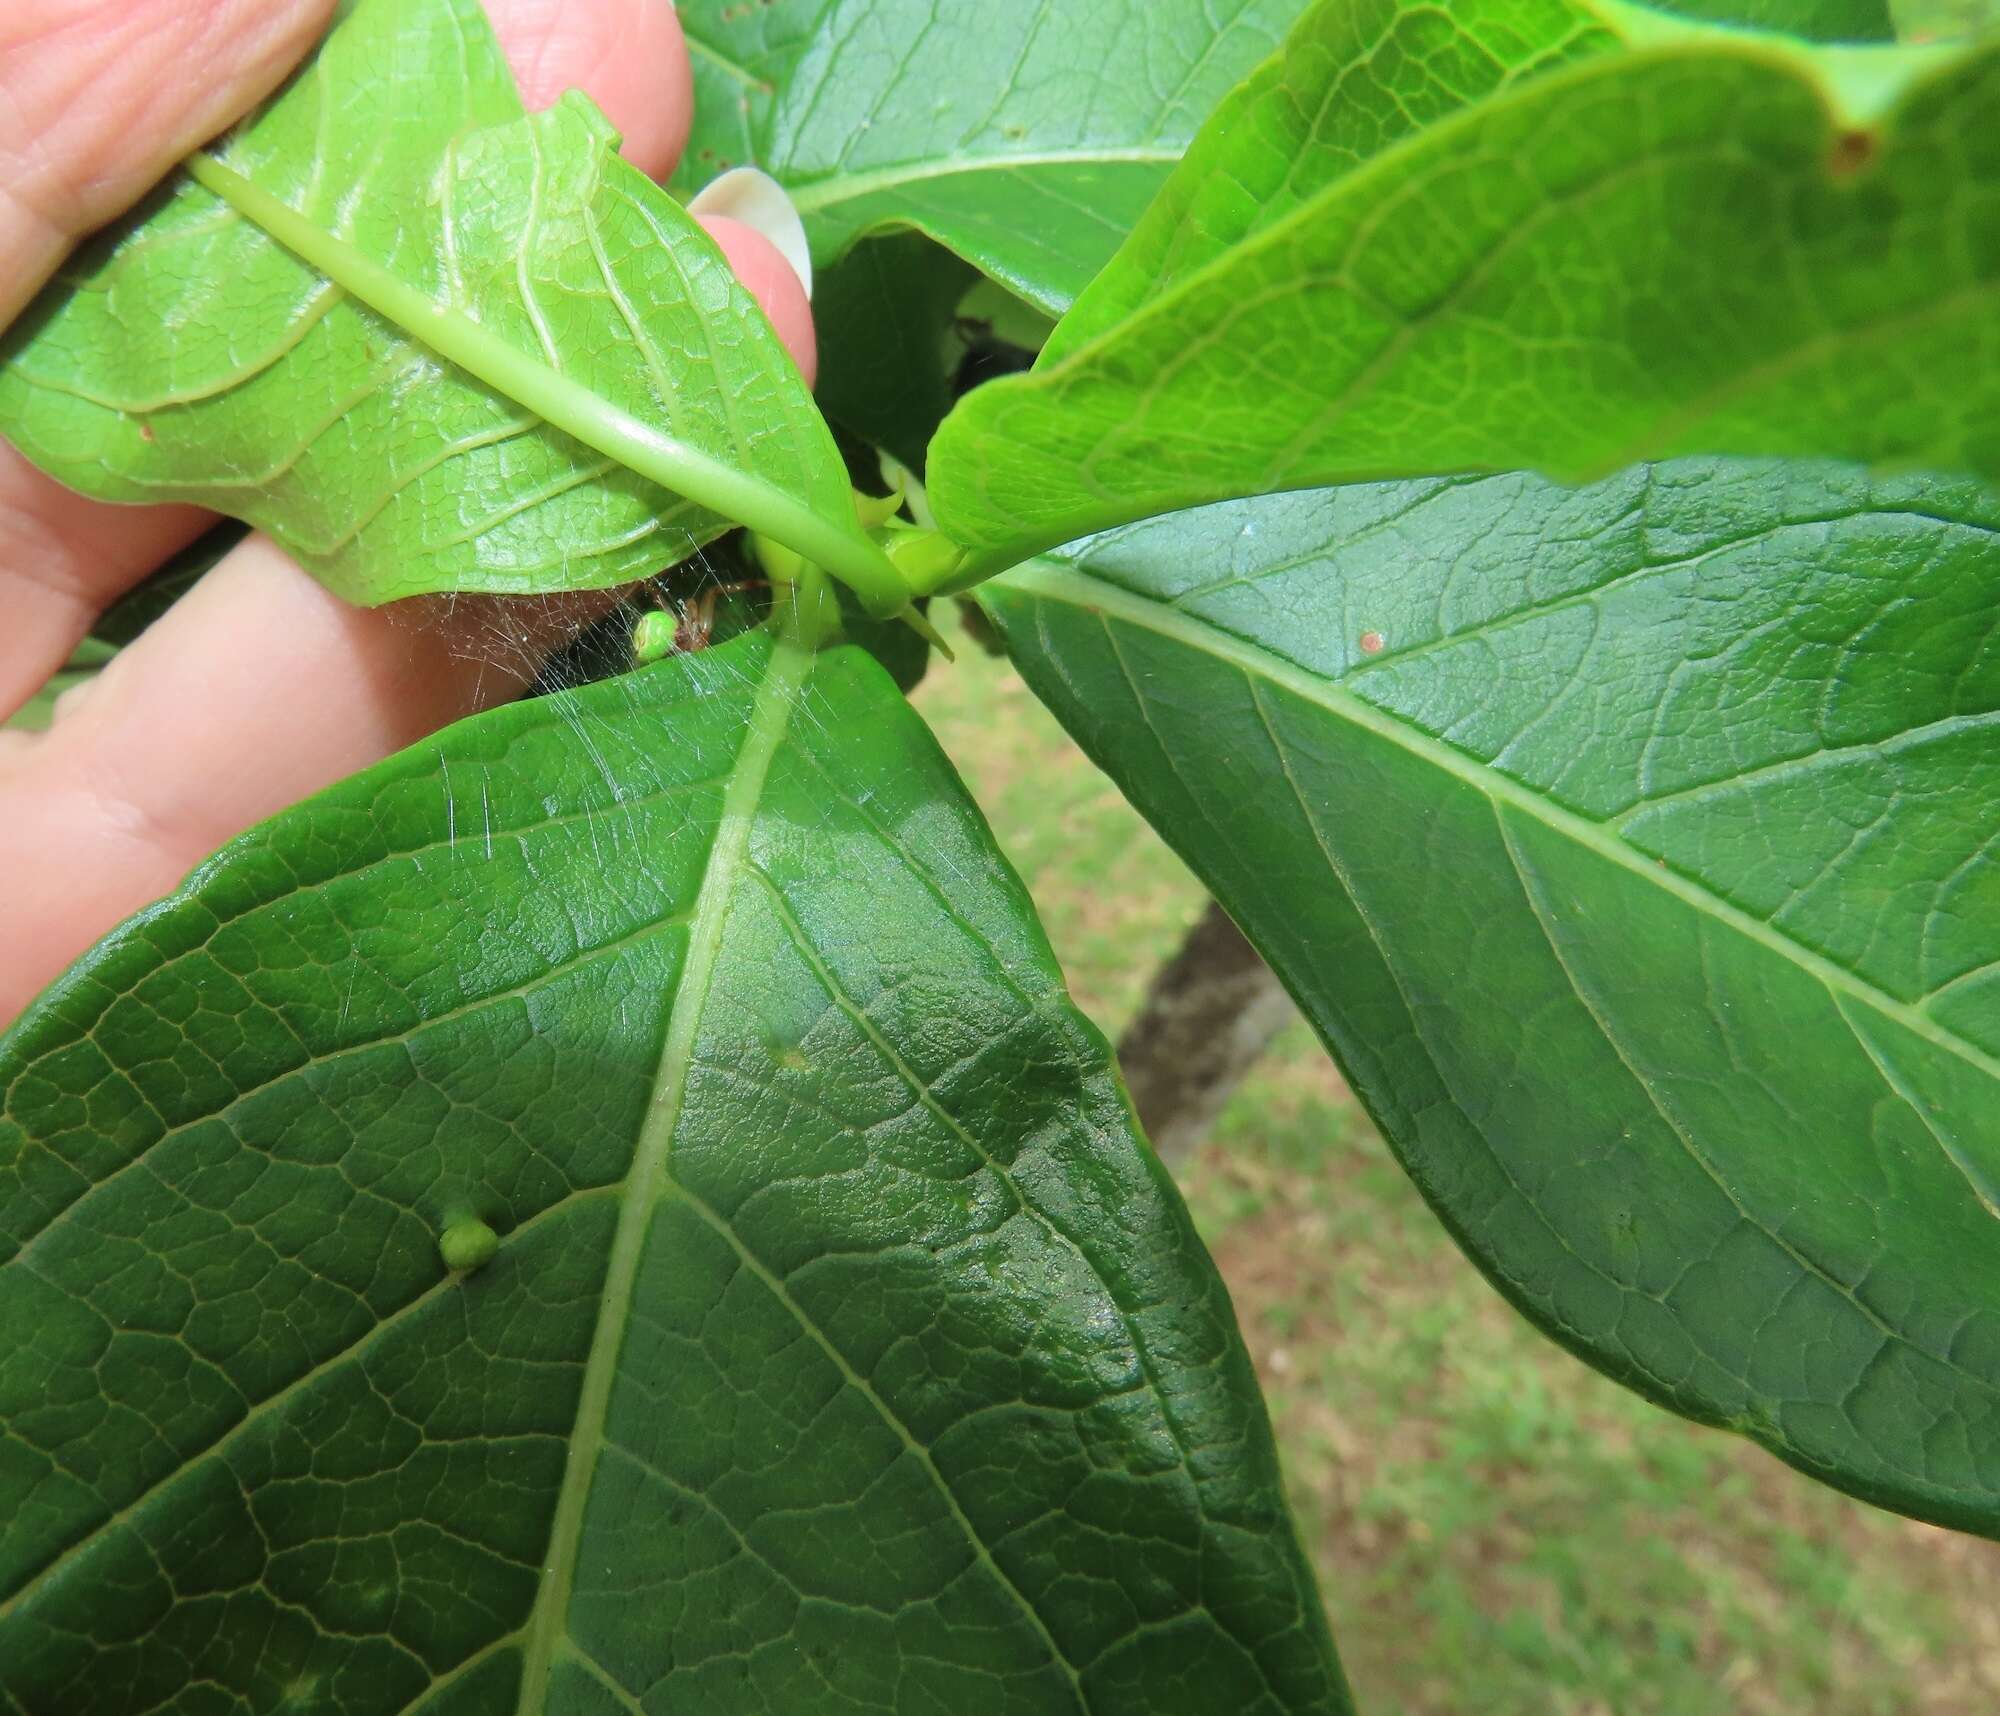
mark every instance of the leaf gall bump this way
{"type": "Point", "coordinates": [467, 1245]}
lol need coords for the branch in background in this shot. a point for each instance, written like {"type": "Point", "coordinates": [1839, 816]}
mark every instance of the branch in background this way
{"type": "Point", "coordinates": [1209, 1013]}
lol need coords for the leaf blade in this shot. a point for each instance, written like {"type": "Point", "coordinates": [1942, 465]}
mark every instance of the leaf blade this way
{"type": "Point", "coordinates": [445, 987]}
{"type": "Point", "coordinates": [1816, 20]}
{"type": "Point", "coordinates": [1704, 241]}
{"type": "Point", "coordinates": [195, 356]}
{"type": "Point", "coordinates": [1060, 123]}
{"type": "Point", "coordinates": [1728, 1149]}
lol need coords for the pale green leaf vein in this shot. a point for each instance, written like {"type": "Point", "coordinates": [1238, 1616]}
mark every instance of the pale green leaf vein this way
{"type": "Point", "coordinates": [778, 692]}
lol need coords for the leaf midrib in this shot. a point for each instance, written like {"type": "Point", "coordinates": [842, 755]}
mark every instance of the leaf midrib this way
{"type": "Point", "coordinates": [1079, 589]}
{"type": "Point", "coordinates": [810, 196]}
{"type": "Point", "coordinates": [734, 490]}
{"type": "Point", "coordinates": [778, 692]}
{"type": "Point", "coordinates": [702, 49]}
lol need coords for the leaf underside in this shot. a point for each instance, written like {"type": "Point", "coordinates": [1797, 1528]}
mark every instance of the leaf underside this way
{"type": "Point", "coordinates": [1027, 137]}
{"type": "Point", "coordinates": [845, 1349]}
{"type": "Point", "coordinates": [189, 356]}
{"type": "Point", "coordinates": [1523, 234]}
{"type": "Point", "coordinates": [1632, 849]}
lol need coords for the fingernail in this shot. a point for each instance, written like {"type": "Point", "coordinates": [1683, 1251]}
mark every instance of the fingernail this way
{"type": "Point", "coordinates": [757, 200]}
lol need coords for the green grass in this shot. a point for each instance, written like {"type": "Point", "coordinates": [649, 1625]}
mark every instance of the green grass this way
{"type": "Point", "coordinates": [1499, 1530]}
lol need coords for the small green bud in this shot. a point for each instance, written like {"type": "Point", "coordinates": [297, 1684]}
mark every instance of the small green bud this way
{"type": "Point", "coordinates": [928, 560]}
{"type": "Point", "coordinates": [467, 1245]}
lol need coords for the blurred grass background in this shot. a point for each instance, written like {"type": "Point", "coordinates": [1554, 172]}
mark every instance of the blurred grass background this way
{"type": "Point", "coordinates": [1499, 1530]}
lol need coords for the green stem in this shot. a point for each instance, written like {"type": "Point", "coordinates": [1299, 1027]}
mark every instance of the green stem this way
{"type": "Point", "coordinates": [573, 408]}
{"type": "Point", "coordinates": [804, 612]}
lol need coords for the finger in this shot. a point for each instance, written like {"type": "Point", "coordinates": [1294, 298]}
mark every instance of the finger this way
{"type": "Point", "coordinates": [97, 101]}
{"type": "Point", "coordinates": [257, 689]}
{"type": "Point", "coordinates": [63, 559]}
{"type": "Point", "coordinates": [630, 58]}
{"type": "Point", "coordinates": [762, 267]}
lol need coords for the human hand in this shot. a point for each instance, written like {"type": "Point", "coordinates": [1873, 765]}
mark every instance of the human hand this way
{"type": "Point", "coordinates": [259, 687]}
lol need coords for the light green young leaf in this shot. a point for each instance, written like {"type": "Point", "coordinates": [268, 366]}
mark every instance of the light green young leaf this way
{"type": "Point", "coordinates": [843, 1347]}
{"type": "Point", "coordinates": [1633, 850]}
{"type": "Point", "coordinates": [1353, 81]}
{"type": "Point", "coordinates": [480, 352]}
{"type": "Point", "coordinates": [1026, 136]}
{"type": "Point", "coordinates": [1636, 235]}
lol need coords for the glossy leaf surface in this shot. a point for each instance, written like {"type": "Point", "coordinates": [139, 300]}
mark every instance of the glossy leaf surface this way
{"type": "Point", "coordinates": [1633, 850]}
{"type": "Point", "coordinates": [844, 1348]}
{"type": "Point", "coordinates": [1520, 234]}
{"type": "Point", "coordinates": [1027, 137]}
{"type": "Point", "coordinates": [190, 355]}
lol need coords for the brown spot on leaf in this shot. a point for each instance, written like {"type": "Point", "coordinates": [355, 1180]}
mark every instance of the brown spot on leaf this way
{"type": "Point", "coordinates": [1853, 149]}
{"type": "Point", "coordinates": [1371, 643]}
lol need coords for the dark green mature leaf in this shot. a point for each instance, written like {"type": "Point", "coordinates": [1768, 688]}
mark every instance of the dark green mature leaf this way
{"type": "Point", "coordinates": [884, 314]}
{"type": "Point", "coordinates": [575, 392]}
{"type": "Point", "coordinates": [844, 1350]}
{"type": "Point", "coordinates": [1633, 850]}
{"type": "Point", "coordinates": [1520, 234]}
{"type": "Point", "coordinates": [1027, 137]}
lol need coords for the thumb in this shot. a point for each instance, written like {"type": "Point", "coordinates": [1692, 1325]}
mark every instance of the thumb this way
{"type": "Point", "coordinates": [99, 98]}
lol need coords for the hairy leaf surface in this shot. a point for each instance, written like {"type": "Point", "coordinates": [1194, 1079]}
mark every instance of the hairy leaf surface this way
{"type": "Point", "coordinates": [1028, 137]}
{"type": "Point", "coordinates": [845, 1349]}
{"type": "Point", "coordinates": [1633, 850]}
{"type": "Point", "coordinates": [1520, 234]}
{"type": "Point", "coordinates": [611, 393]}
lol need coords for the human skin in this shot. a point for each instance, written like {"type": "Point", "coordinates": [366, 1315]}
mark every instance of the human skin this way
{"type": "Point", "coordinates": [259, 687]}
